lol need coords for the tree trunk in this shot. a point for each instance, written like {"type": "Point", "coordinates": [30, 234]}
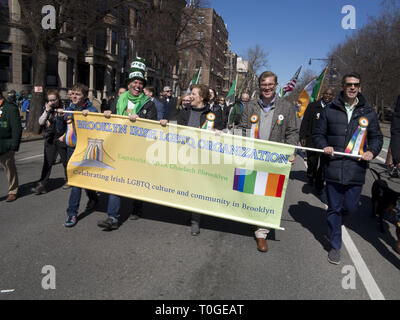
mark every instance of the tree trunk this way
{"type": "Point", "coordinates": [39, 80]}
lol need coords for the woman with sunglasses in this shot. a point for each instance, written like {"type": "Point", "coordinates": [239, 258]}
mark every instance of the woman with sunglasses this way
{"type": "Point", "coordinates": [52, 144]}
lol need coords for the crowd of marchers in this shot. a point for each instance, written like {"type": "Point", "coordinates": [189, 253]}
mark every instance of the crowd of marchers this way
{"type": "Point", "coordinates": [342, 121]}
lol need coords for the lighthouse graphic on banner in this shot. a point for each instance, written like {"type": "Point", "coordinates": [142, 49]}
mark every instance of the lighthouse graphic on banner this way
{"type": "Point", "coordinates": [94, 156]}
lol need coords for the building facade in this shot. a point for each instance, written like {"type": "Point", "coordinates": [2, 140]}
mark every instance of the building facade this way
{"type": "Point", "coordinates": [210, 36]}
{"type": "Point", "coordinates": [100, 60]}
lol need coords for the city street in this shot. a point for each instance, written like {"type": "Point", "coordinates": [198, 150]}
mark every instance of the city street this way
{"type": "Point", "coordinates": [156, 257]}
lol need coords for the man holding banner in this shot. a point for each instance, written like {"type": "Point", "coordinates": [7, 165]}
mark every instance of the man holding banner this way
{"type": "Point", "coordinates": [349, 125]}
{"type": "Point", "coordinates": [135, 104]}
{"type": "Point", "coordinates": [269, 118]}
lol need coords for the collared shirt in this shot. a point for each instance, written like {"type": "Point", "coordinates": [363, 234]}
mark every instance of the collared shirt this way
{"type": "Point", "coordinates": [268, 107]}
{"type": "Point", "coordinates": [350, 109]}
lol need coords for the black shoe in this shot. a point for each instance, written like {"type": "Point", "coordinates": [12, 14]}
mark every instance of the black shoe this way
{"type": "Point", "coordinates": [108, 224]}
{"type": "Point", "coordinates": [39, 190]}
{"type": "Point", "coordinates": [91, 205]}
{"type": "Point", "coordinates": [135, 216]}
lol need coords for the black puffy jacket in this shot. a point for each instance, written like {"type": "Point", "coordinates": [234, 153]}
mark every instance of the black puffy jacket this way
{"type": "Point", "coordinates": [334, 131]}
{"type": "Point", "coordinates": [395, 133]}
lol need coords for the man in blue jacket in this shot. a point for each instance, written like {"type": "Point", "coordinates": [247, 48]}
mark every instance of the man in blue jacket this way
{"type": "Point", "coordinates": [348, 125]}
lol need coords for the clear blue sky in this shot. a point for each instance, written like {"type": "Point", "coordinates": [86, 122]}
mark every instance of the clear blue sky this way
{"type": "Point", "coordinates": [291, 31]}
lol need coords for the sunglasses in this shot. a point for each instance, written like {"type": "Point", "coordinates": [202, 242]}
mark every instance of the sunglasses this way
{"type": "Point", "coordinates": [350, 85]}
{"type": "Point", "coordinates": [53, 100]}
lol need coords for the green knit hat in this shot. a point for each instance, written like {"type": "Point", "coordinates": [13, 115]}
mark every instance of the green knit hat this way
{"type": "Point", "coordinates": [137, 70]}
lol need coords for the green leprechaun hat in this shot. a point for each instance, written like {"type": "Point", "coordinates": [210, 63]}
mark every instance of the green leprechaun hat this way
{"type": "Point", "coordinates": [137, 70]}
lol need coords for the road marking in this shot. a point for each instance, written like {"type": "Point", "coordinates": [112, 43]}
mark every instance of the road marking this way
{"type": "Point", "coordinates": [33, 157]}
{"type": "Point", "coordinates": [7, 291]}
{"type": "Point", "coordinates": [366, 277]}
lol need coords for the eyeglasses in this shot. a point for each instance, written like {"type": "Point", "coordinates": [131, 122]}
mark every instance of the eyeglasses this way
{"type": "Point", "coordinates": [268, 85]}
{"type": "Point", "coordinates": [350, 85]}
{"type": "Point", "coordinates": [53, 100]}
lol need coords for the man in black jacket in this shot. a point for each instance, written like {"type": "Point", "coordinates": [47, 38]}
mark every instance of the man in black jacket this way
{"type": "Point", "coordinates": [315, 160]}
{"type": "Point", "coordinates": [348, 125]}
{"type": "Point", "coordinates": [10, 139]}
{"type": "Point", "coordinates": [170, 105]}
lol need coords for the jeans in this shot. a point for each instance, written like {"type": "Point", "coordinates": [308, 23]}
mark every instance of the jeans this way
{"type": "Point", "coordinates": [342, 202]}
{"type": "Point", "coordinates": [75, 196]}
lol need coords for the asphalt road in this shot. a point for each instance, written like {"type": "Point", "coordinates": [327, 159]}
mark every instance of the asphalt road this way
{"type": "Point", "coordinates": [157, 258]}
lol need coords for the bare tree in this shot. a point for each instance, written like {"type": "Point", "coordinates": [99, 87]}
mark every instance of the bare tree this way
{"type": "Point", "coordinates": [75, 20]}
{"type": "Point", "coordinates": [257, 59]}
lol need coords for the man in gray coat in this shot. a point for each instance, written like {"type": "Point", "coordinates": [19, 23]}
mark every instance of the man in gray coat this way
{"type": "Point", "coordinates": [276, 119]}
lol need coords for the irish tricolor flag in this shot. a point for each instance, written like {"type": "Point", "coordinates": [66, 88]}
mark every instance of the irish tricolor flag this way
{"type": "Point", "coordinates": [195, 80]}
{"type": "Point", "coordinates": [259, 183]}
{"type": "Point", "coordinates": [310, 93]}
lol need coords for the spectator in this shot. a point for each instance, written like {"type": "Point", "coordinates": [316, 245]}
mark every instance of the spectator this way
{"type": "Point", "coordinates": [315, 160]}
{"type": "Point", "coordinates": [162, 112]}
{"type": "Point", "coordinates": [344, 125]}
{"type": "Point", "coordinates": [171, 104]}
{"type": "Point", "coordinates": [81, 103]}
{"type": "Point", "coordinates": [237, 110]}
{"type": "Point", "coordinates": [10, 139]}
{"type": "Point", "coordinates": [52, 144]}
{"type": "Point", "coordinates": [25, 108]}
{"type": "Point", "coordinates": [113, 103]}
{"type": "Point", "coordinates": [225, 110]}
{"type": "Point", "coordinates": [104, 105]}
{"type": "Point", "coordinates": [185, 102]}
{"type": "Point", "coordinates": [213, 96]}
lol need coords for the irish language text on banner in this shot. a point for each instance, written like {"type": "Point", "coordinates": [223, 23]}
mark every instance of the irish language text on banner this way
{"type": "Point", "coordinates": [225, 176]}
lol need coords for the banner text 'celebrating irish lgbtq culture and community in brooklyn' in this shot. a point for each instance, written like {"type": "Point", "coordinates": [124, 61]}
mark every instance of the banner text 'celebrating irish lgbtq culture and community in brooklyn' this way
{"type": "Point", "coordinates": [227, 176]}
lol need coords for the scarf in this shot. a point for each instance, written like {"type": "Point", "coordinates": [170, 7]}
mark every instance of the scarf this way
{"type": "Point", "coordinates": [123, 101]}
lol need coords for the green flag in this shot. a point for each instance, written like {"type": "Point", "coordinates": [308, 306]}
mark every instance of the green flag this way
{"type": "Point", "coordinates": [230, 98]}
{"type": "Point", "coordinates": [195, 80]}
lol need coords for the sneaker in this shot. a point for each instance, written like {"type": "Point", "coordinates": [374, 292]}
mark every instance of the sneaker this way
{"type": "Point", "coordinates": [334, 256]}
{"type": "Point", "coordinates": [71, 222]}
{"type": "Point", "coordinates": [91, 205]}
{"type": "Point", "coordinates": [108, 224]}
{"type": "Point", "coordinates": [39, 190]}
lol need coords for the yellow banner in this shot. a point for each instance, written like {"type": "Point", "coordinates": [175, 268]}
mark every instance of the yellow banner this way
{"type": "Point", "coordinates": [226, 176]}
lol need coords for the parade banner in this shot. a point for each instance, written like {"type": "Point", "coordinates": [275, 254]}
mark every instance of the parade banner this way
{"type": "Point", "coordinates": [225, 176]}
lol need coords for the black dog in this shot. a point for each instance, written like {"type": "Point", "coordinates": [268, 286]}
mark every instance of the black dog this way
{"type": "Point", "coordinates": [383, 199]}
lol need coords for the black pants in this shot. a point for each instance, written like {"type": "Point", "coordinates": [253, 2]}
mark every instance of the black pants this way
{"type": "Point", "coordinates": [315, 171]}
{"type": "Point", "coordinates": [50, 154]}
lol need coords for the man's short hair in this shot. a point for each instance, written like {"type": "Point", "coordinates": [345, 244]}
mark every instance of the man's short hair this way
{"type": "Point", "coordinates": [82, 88]}
{"type": "Point", "coordinates": [267, 74]}
{"type": "Point", "coordinates": [351, 75]}
{"type": "Point", "coordinates": [151, 89]}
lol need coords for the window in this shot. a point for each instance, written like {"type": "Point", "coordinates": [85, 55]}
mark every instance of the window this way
{"type": "Point", "coordinates": [198, 64]}
{"type": "Point", "coordinates": [185, 64]}
{"type": "Point", "coordinates": [52, 71]}
{"type": "Point", "coordinates": [26, 69]}
{"type": "Point", "coordinates": [101, 39]}
{"type": "Point", "coordinates": [200, 35]}
{"type": "Point", "coordinates": [5, 67]}
{"type": "Point", "coordinates": [114, 39]}
{"type": "Point", "coordinates": [200, 19]}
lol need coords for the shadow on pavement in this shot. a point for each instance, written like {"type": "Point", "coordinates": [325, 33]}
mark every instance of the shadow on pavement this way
{"type": "Point", "coordinates": [367, 226]}
{"type": "Point", "coordinates": [313, 219]}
